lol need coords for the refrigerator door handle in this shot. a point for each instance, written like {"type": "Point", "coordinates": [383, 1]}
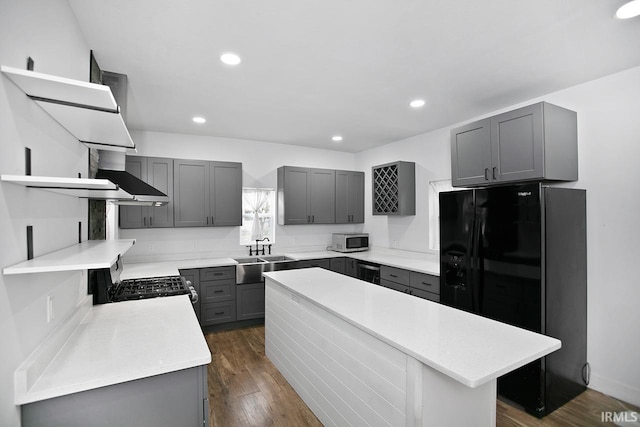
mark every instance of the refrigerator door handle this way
{"type": "Point", "coordinates": [475, 261]}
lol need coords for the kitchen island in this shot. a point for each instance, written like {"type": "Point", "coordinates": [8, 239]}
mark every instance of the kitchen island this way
{"type": "Point", "coordinates": [359, 354]}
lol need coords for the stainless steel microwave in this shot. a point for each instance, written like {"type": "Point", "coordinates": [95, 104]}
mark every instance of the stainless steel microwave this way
{"type": "Point", "coordinates": [350, 242]}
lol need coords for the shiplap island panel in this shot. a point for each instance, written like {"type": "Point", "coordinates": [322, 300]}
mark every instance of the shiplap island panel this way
{"type": "Point", "coordinates": [362, 354]}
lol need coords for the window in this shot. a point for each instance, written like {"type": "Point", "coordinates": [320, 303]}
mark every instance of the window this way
{"type": "Point", "coordinates": [435, 188]}
{"type": "Point", "coordinates": [258, 215]}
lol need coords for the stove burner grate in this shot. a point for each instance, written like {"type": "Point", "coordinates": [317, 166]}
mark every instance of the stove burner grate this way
{"type": "Point", "coordinates": [133, 289]}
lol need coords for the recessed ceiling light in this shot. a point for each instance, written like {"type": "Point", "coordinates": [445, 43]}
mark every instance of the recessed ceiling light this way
{"type": "Point", "coordinates": [230, 58]}
{"type": "Point", "coordinates": [629, 10]}
{"type": "Point", "coordinates": [199, 120]}
{"type": "Point", "coordinates": [417, 103]}
{"type": "Point", "coordinates": [336, 138]}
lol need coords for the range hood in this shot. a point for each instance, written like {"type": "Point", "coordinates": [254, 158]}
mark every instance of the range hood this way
{"type": "Point", "coordinates": [111, 166]}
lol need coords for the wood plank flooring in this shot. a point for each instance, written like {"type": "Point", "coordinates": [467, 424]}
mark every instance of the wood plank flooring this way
{"type": "Point", "coordinates": [245, 389]}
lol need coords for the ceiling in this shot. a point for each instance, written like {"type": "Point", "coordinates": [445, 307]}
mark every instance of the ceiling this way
{"type": "Point", "coordinates": [314, 69]}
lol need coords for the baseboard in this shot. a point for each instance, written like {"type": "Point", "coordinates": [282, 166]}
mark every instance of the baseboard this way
{"type": "Point", "coordinates": [616, 389]}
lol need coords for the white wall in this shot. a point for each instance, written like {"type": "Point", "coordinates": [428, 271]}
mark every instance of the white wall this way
{"type": "Point", "coordinates": [260, 160]}
{"type": "Point", "coordinates": [48, 32]}
{"type": "Point", "coordinates": [609, 155]}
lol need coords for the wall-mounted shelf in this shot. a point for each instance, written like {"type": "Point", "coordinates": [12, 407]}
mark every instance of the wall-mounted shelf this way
{"type": "Point", "coordinates": [86, 255]}
{"type": "Point", "coordinates": [87, 110]}
{"type": "Point", "coordinates": [78, 187]}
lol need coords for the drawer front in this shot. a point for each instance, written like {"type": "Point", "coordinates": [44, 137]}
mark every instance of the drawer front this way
{"type": "Point", "coordinates": [322, 263]}
{"type": "Point", "coordinates": [393, 274]}
{"type": "Point", "coordinates": [425, 282]}
{"type": "Point", "coordinates": [218, 273]}
{"type": "Point", "coordinates": [217, 312]}
{"type": "Point", "coordinates": [393, 285]}
{"type": "Point", "coordinates": [217, 291]}
{"type": "Point", "coordinates": [426, 295]}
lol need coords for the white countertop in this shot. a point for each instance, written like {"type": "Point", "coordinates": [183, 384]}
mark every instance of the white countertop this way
{"type": "Point", "coordinates": [115, 343]}
{"type": "Point", "coordinates": [469, 348]}
{"type": "Point", "coordinates": [415, 261]}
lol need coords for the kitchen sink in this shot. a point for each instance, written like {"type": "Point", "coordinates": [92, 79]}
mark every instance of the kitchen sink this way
{"type": "Point", "coordinates": [271, 258]}
{"type": "Point", "coordinates": [248, 260]}
{"type": "Point", "coordinates": [250, 269]}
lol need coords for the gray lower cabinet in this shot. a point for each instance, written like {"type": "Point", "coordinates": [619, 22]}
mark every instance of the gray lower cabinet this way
{"type": "Point", "coordinates": [207, 194]}
{"type": "Point", "coordinates": [349, 197]}
{"type": "Point", "coordinates": [537, 142]}
{"type": "Point", "coordinates": [179, 398]}
{"type": "Point", "coordinates": [158, 172]}
{"type": "Point", "coordinates": [338, 265]}
{"type": "Point", "coordinates": [309, 263]}
{"type": "Point", "coordinates": [418, 284]}
{"type": "Point", "coordinates": [351, 267]}
{"type": "Point", "coordinates": [306, 196]}
{"type": "Point", "coordinates": [193, 276]}
{"type": "Point", "coordinates": [250, 301]}
{"type": "Point", "coordinates": [217, 295]}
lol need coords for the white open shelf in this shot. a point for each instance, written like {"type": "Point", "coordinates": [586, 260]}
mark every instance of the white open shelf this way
{"type": "Point", "coordinates": [78, 187]}
{"type": "Point", "coordinates": [87, 110]}
{"type": "Point", "coordinates": [86, 255]}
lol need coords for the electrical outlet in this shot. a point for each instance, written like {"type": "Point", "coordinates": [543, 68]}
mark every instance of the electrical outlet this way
{"type": "Point", "coordinates": [50, 313]}
{"type": "Point", "coordinates": [394, 244]}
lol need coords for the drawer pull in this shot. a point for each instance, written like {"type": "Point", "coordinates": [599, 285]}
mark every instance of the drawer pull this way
{"type": "Point", "coordinates": [393, 275]}
{"type": "Point", "coordinates": [218, 291]}
{"type": "Point", "coordinates": [218, 313]}
{"type": "Point", "coordinates": [218, 274]}
{"type": "Point", "coordinates": [426, 284]}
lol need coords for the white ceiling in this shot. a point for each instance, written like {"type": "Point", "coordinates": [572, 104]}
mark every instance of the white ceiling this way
{"type": "Point", "coordinates": [313, 69]}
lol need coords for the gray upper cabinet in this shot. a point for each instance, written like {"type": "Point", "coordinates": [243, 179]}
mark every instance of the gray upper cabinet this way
{"type": "Point", "coordinates": [471, 153]}
{"type": "Point", "coordinates": [394, 189]}
{"type": "Point", "coordinates": [225, 200]}
{"type": "Point", "coordinates": [349, 197]}
{"type": "Point", "coordinates": [158, 172]}
{"type": "Point", "coordinates": [306, 196]}
{"type": "Point", "coordinates": [537, 142]}
{"type": "Point", "coordinates": [207, 193]}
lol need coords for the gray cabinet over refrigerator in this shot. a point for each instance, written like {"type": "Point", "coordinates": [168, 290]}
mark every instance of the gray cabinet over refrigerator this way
{"type": "Point", "coordinates": [537, 142]}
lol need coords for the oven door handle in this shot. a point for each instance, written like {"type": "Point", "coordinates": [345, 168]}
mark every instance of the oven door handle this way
{"type": "Point", "coordinates": [194, 294]}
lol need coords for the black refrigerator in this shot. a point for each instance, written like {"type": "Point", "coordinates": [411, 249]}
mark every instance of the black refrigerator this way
{"type": "Point", "coordinates": [517, 254]}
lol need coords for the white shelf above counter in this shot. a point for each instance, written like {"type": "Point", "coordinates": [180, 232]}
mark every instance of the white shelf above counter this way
{"type": "Point", "coordinates": [78, 187]}
{"type": "Point", "coordinates": [83, 256]}
{"type": "Point", "coordinates": [87, 110]}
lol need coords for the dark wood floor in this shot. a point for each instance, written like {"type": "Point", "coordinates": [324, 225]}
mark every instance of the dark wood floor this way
{"type": "Point", "coordinates": [245, 389]}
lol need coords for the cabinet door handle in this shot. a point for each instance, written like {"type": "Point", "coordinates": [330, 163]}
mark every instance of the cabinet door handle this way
{"type": "Point", "coordinates": [495, 169]}
{"type": "Point", "coordinates": [207, 220]}
{"type": "Point", "coordinates": [150, 221]}
{"type": "Point", "coordinates": [308, 218]}
{"type": "Point", "coordinates": [212, 223]}
{"type": "Point", "coordinates": [486, 174]}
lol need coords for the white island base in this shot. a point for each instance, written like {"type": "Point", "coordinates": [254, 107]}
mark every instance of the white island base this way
{"type": "Point", "coordinates": [361, 354]}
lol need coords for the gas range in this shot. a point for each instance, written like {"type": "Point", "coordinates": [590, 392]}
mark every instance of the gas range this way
{"type": "Point", "coordinates": [106, 286]}
{"type": "Point", "coordinates": [152, 287]}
